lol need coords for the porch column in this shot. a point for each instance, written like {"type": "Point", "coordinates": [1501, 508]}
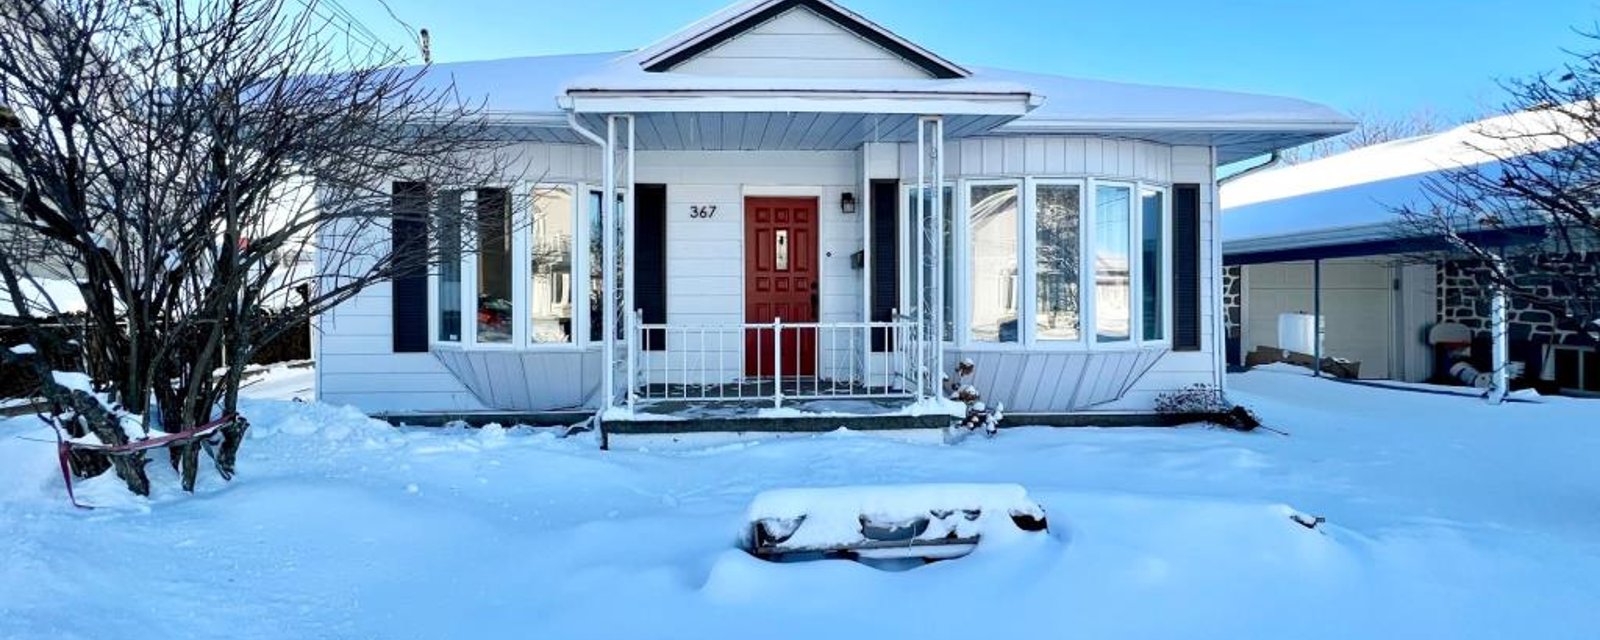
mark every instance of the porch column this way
{"type": "Point", "coordinates": [608, 271]}
{"type": "Point", "coordinates": [629, 307]}
{"type": "Point", "coordinates": [618, 296]}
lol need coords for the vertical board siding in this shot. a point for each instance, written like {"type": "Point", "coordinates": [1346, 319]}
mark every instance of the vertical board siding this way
{"type": "Point", "coordinates": [1056, 382]}
{"type": "Point", "coordinates": [527, 380]}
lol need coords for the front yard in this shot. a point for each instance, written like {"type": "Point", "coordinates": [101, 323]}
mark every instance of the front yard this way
{"type": "Point", "coordinates": [1446, 518]}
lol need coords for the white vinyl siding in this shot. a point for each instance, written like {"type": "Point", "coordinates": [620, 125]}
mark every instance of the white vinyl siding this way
{"type": "Point", "coordinates": [800, 44]}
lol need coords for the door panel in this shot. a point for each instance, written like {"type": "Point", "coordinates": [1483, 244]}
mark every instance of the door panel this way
{"type": "Point", "coordinates": [781, 281]}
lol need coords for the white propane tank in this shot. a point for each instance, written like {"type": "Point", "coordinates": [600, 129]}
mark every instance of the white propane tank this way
{"type": "Point", "coordinates": [1296, 332]}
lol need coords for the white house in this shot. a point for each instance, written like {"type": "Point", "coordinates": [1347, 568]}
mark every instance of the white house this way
{"type": "Point", "coordinates": [1324, 237]}
{"type": "Point", "coordinates": [769, 246]}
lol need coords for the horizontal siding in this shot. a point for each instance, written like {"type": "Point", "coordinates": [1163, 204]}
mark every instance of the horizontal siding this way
{"type": "Point", "coordinates": [799, 43]}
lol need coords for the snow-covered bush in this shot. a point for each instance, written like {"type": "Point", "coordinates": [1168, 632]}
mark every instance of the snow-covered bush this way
{"type": "Point", "coordinates": [1206, 402]}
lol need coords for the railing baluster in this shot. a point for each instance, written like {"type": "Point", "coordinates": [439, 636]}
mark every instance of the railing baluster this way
{"type": "Point", "coordinates": [777, 362]}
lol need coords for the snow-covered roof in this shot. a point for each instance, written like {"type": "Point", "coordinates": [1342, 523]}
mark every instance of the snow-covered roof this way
{"type": "Point", "coordinates": [1352, 197]}
{"type": "Point", "coordinates": [543, 89]}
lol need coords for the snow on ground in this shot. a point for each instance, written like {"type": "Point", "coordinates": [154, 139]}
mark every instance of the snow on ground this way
{"type": "Point", "coordinates": [1447, 518]}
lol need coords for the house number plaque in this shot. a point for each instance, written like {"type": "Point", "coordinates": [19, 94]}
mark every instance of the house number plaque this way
{"type": "Point", "coordinates": [702, 211]}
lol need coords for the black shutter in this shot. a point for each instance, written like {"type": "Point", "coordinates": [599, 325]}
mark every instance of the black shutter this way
{"type": "Point", "coordinates": [1186, 267]}
{"type": "Point", "coordinates": [650, 259]}
{"type": "Point", "coordinates": [409, 235]}
{"type": "Point", "coordinates": [885, 259]}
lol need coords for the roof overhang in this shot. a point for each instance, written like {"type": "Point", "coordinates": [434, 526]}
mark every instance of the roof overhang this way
{"type": "Point", "coordinates": [1363, 241]}
{"type": "Point", "coordinates": [1234, 140]}
{"type": "Point", "coordinates": [1013, 104]}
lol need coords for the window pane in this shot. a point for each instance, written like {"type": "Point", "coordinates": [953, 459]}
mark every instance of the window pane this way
{"type": "Point", "coordinates": [1152, 264]}
{"type": "Point", "coordinates": [449, 292]}
{"type": "Point", "coordinates": [596, 260]}
{"type": "Point", "coordinates": [949, 264]}
{"type": "Point", "coordinates": [550, 266]}
{"type": "Point", "coordinates": [494, 266]}
{"type": "Point", "coordinates": [1060, 213]}
{"type": "Point", "coordinates": [1113, 209]}
{"type": "Point", "coordinates": [948, 268]}
{"type": "Point", "coordinates": [993, 216]}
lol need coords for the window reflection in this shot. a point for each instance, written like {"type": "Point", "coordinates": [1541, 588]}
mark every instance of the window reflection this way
{"type": "Point", "coordinates": [993, 218]}
{"type": "Point", "coordinates": [1059, 210]}
{"type": "Point", "coordinates": [1113, 312]}
{"type": "Point", "coordinates": [550, 266]}
{"type": "Point", "coordinates": [494, 265]}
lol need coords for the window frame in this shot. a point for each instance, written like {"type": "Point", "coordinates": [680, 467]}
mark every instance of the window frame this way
{"type": "Point", "coordinates": [1164, 279]}
{"type": "Point", "coordinates": [521, 274]}
{"type": "Point", "coordinates": [1030, 273]}
{"type": "Point", "coordinates": [965, 247]}
{"type": "Point", "coordinates": [1028, 339]}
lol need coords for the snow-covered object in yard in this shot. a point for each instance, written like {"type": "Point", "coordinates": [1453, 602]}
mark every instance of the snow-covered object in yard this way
{"type": "Point", "coordinates": [932, 521]}
{"type": "Point", "coordinates": [1352, 196]}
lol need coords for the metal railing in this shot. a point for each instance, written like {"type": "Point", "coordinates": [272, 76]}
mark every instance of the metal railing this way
{"type": "Point", "coordinates": [777, 361]}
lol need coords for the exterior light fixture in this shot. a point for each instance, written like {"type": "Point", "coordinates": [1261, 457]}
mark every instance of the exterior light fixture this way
{"type": "Point", "coordinates": [847, 202]}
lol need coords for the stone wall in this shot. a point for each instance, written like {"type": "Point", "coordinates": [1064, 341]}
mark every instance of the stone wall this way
{"type": "Point", "coordinates": [1233, 311]}
{"type": "Point", "coordinates": [1464, 297]}
{"type": "Point", "coordinates": [1233, 298]}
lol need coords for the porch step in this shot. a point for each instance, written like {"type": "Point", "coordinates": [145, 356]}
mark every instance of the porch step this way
{"type": "Point", "coordinates": [754, 423]}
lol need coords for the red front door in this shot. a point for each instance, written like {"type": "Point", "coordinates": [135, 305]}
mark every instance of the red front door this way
{"type": "Point", "coordinates": [780, 281]}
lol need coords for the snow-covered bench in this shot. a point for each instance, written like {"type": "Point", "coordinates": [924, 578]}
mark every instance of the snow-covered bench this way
{"type": "Point", "coordinates": [931, 522]}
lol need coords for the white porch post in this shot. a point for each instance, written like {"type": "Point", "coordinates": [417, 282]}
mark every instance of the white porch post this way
{"type": "Point", "coordinates": [628, 306]}
{"type": "Point", "coordinates": [608, 271]}
{"type": "Point", "coordinates": [936, 343]}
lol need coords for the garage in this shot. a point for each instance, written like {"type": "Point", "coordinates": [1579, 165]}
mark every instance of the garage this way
{"type": "Point", "coordinates": [1358, 308]}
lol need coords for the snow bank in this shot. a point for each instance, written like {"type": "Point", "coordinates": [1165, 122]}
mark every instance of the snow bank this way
{"type": "Point", "coordinates": [1446, 518]}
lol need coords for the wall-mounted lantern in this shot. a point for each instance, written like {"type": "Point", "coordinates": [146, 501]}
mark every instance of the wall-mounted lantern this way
{"type": "Point", "coordinates": [847, 202]}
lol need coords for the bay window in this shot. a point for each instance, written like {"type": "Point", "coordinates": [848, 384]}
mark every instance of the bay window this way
{"type": "Point", "coordinates": [524, 261]}
{"type": "Point", "coordinates": [1084, 260]}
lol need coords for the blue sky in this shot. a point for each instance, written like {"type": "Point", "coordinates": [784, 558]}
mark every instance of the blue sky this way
{"type": "Point", "coordinates": [1384, 56]}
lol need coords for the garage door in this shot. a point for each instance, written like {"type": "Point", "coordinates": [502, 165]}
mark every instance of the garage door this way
{"type": "Point", "coordinates": [1357, 298]}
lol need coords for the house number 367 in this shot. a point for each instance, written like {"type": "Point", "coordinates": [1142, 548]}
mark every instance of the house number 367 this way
{"type": "Point", "coordinates": [702, 211]}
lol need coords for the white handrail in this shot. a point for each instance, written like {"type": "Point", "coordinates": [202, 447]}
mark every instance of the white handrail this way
{"type": "Point", "coordinates": [809, 361]}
